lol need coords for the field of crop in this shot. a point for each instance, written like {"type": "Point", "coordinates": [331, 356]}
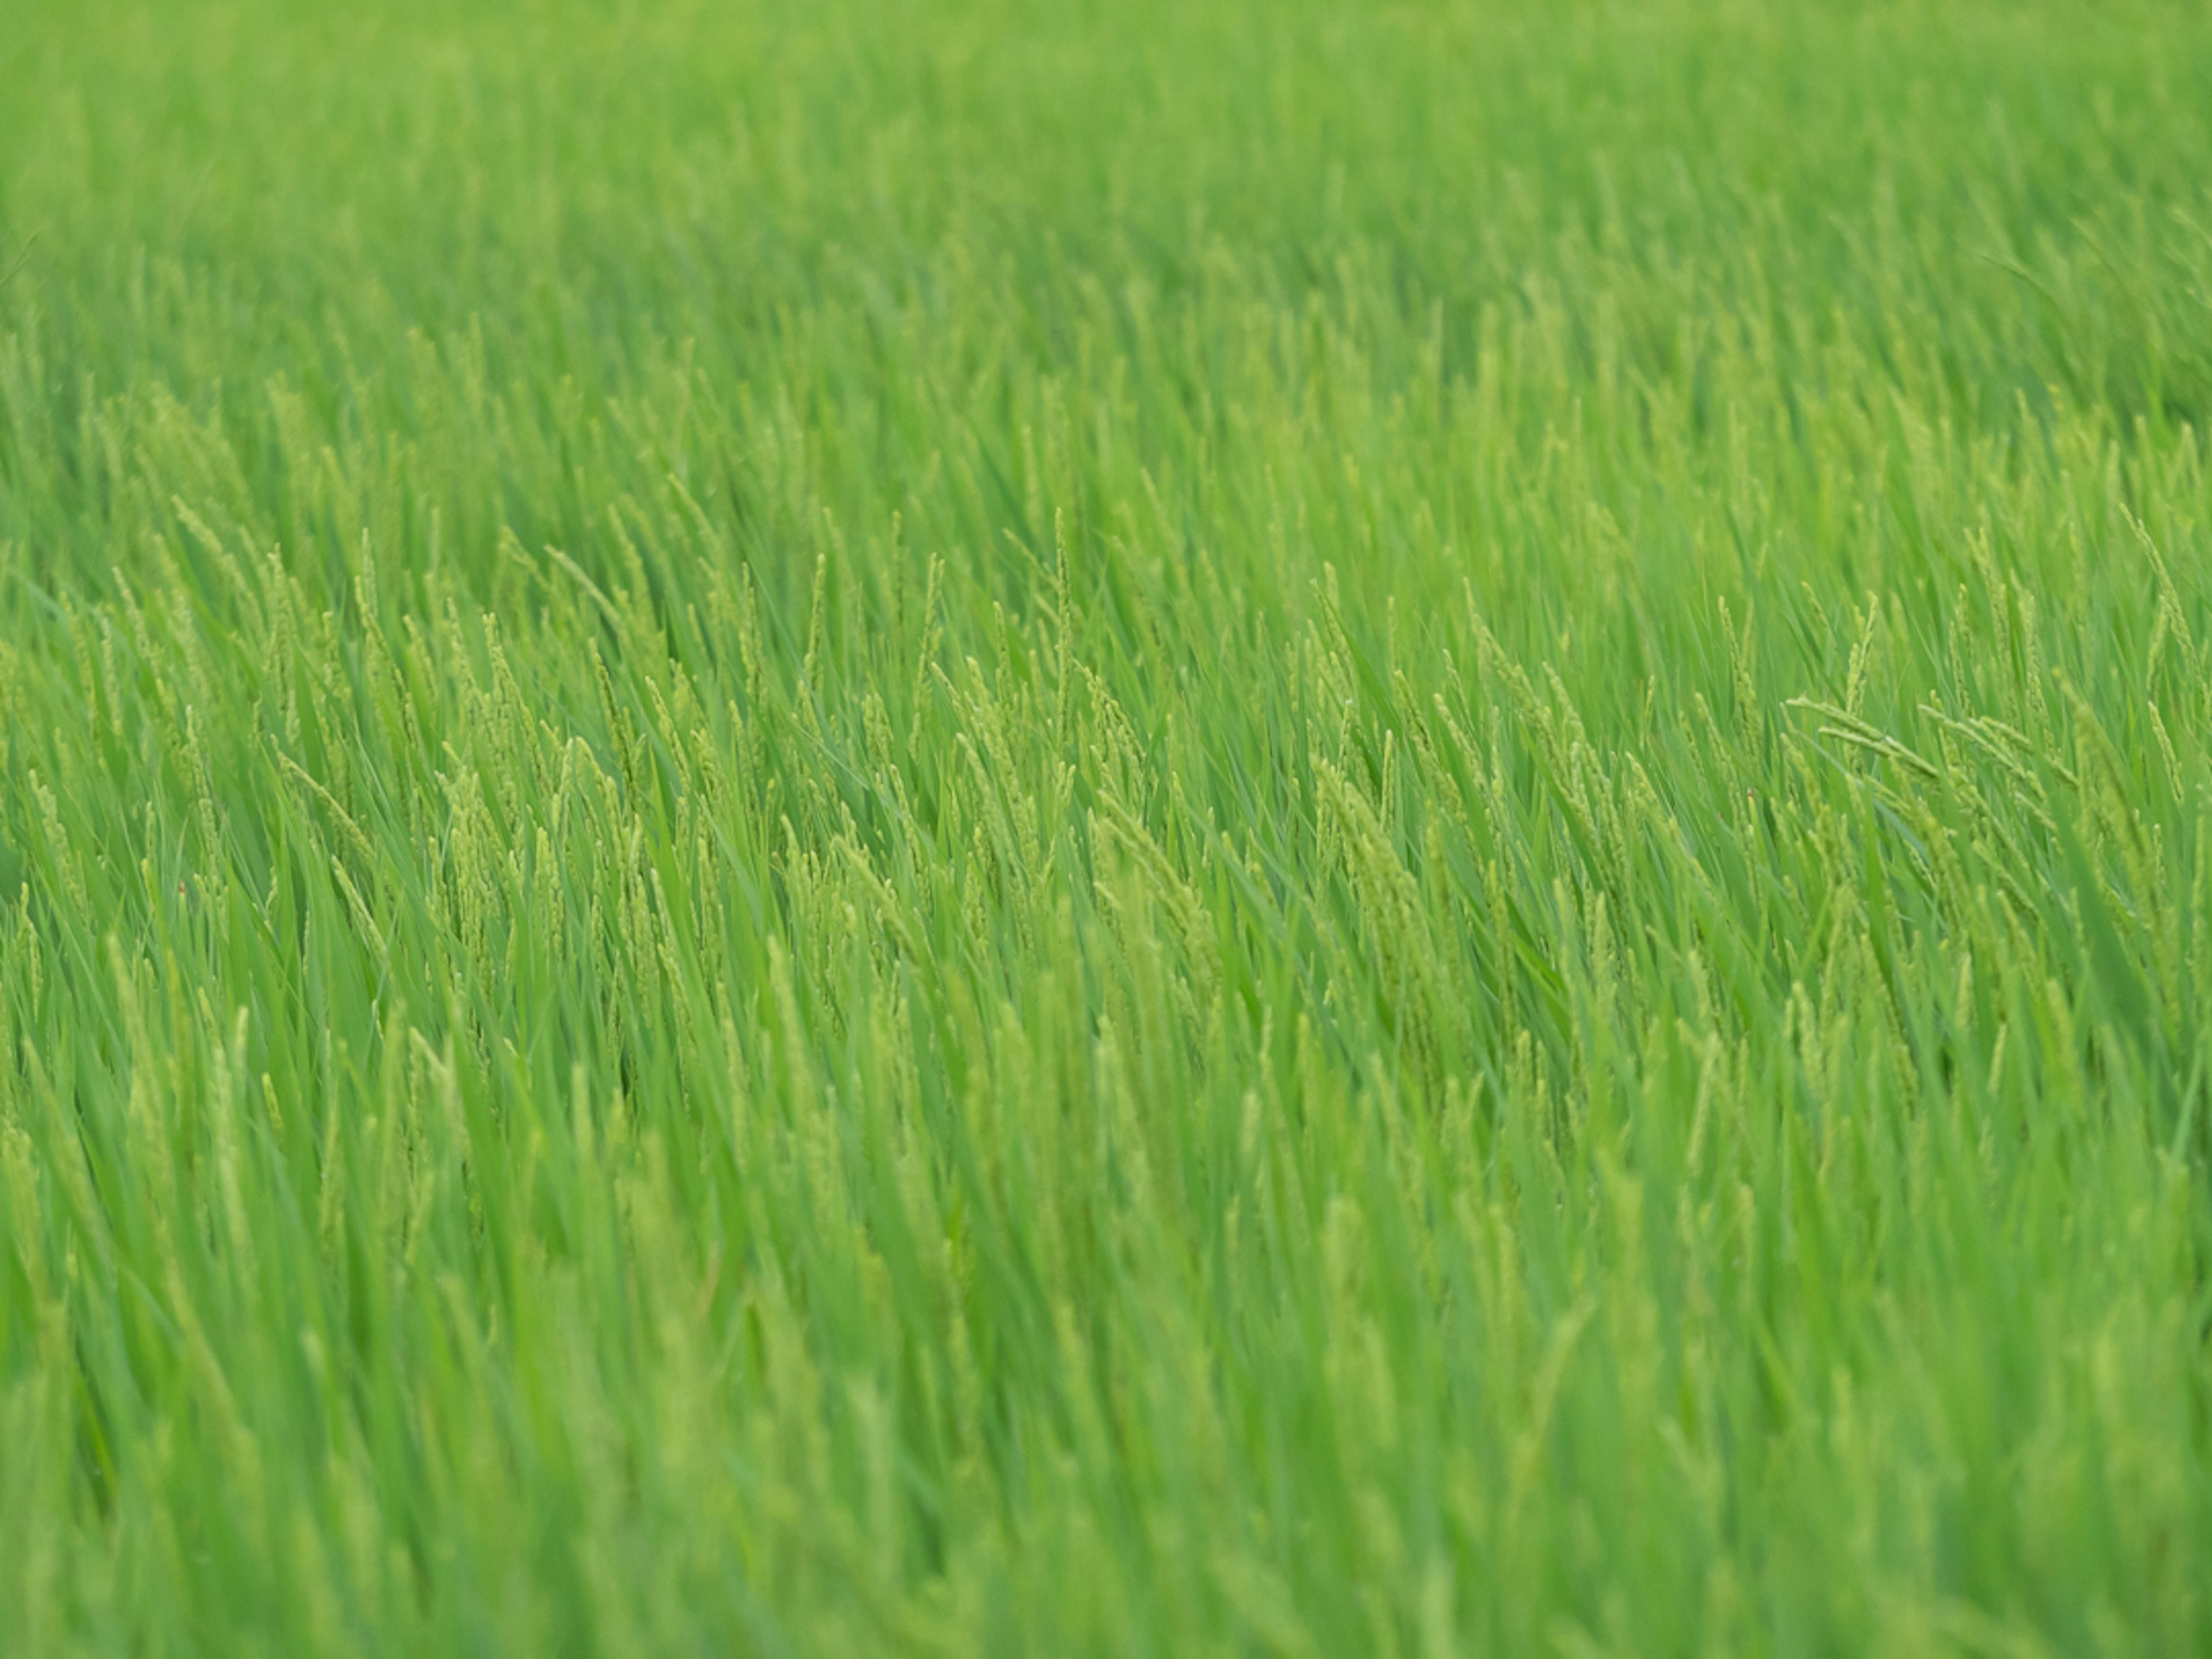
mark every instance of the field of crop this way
{"type": "Point", "coordinates": [1029, 828]}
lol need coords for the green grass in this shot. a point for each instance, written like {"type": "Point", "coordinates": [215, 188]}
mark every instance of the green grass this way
{"type": "Point", "coordinates": [1018, 829]}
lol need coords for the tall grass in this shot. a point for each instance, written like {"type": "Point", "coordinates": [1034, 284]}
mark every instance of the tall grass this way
{"type": "Point", "coordinates": [1017, 828]}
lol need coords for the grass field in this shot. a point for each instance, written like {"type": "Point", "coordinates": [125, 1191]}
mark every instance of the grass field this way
{"type": "Point", "coordinates": [1033, 829]}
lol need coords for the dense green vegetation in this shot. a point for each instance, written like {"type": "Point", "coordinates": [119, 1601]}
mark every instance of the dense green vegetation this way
{"type": "Point", "coordinates": [1036, 830]}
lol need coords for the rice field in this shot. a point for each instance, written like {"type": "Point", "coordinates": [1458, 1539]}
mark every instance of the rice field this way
{"type": "Point", "coordinates": [1034, 828]}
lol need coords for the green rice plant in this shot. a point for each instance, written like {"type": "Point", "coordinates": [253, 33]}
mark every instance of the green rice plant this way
{"type": "Point", "coordinates": [1014, 829]}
